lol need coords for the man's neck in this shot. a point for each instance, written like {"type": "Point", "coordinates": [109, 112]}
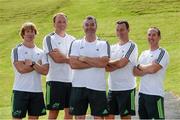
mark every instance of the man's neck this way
{"type": "Point", "coordinates": [29, 44]}
{"type": "Point", "coordinates": [154, 47]}
{"type": "Point", "coordinates": [90, 38]}
{"type": "Point", "coordinates": [124, 41]}
{"type": "Point", "coordinates": [60, 33]}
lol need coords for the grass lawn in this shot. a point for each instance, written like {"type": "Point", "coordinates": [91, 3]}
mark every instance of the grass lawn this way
{"type": "Point", "coordinates": [140, 14]}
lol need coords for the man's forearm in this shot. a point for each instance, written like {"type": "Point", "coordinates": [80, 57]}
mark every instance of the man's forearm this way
{"type": "Point", "coordinates": [42, 69]}
{"type": "Point", "coordinates": [59, 57]}
{"type": "Point", "coordinates": [22, 67]}
{"type": "Point", "coordinates": [150, 68]}
{"type": "Point", "coordinates": [76, 64]}
{"type": "Point", "coordinates": [27, 69]}
{"type": "Point", "coordinates": [119, 63]}
{"type": "Point", "coordinates": [96, 61]}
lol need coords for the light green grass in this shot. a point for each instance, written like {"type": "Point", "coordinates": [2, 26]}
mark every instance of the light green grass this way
{"type": "Point", "coordinates": [141, 14]}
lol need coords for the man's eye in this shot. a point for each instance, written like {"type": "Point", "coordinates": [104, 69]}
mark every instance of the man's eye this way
{"type": "Point", "coordinates": [86, 24]}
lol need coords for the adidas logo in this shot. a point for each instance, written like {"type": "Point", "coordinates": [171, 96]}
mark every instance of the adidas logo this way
{"type": "Point", "coordinates": [55, 105]}
{"type": "Point", "coordinates": [105, 111]}
{"type": "Point", "coordinates": [126, 111]}
{"type": "Point", "coordinates": [43, 110]}
{"type": "Point", "coordinates": [17, 112]}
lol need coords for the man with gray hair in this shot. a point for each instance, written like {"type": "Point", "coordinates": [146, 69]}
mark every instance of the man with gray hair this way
{"type": "Point", "coordinates": [88, 58]}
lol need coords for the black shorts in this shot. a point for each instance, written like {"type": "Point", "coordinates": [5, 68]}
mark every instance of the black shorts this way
{"type": "Point", "coordinates": [121, 102]}
{"type": "Point", "coordinates": [151, 107]}
{"type": "Point", "coordinates": [82, 97]}
{"type": "Point", "coordinates": [57, 95]}
{"type": "Point", "coordinates": [31, 102]}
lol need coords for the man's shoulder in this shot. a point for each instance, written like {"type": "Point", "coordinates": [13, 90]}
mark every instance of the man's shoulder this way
{"type": "Point", "coordinates": [163, 50]}
{"type": "Point", "coordinates": [70, 37]}
{"type": "Point", "coordinates": [145, 52]}
{"type": "Point", "coordinates": [18, 46]}
{"type": "Point", "coordinates": [132, 43]}
{"type": "Point", "coordinates": [103, 42]}
{"type": "Point", "coordinates": [49, 36]}
{"type": "Point", "coordinates": [39, 50]}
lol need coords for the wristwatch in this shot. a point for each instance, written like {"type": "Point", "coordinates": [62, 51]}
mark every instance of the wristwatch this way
{"type": "Point", "coordinates": [33, 63]}
{"type": "Point", "coordinates": [138, 67]}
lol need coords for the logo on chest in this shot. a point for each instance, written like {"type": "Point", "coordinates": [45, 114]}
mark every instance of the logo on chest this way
{"type": "Point", "coordinates": [96, 49]}
{"type": "Point", "coordinates": [30, 55]}
{"type": "Point", "coordinates": [26, 53]}
{"type": "Point", "coordinates": [81, 47]}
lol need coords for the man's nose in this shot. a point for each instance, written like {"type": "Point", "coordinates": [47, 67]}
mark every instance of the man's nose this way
{"type": "Point", "coordinates": [89, 26]}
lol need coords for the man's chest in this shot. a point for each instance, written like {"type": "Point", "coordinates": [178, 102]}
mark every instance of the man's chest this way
{"type": "Point", "coordinates": [62, 45]}
{"type": "Point", "coordinates": [90, 50]}
{"type": "Point", "coordinates": [31, 54]}
{"type": "Point", "coordinates": [149, 58]}
{"type": "Point", "coordinates": [118, 52]}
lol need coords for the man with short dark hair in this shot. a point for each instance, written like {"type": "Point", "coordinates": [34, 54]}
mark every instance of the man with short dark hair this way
{"type": "Point", "coordinates": [152, 67]}
{"type": "Point", "coordinates": [122, 83]}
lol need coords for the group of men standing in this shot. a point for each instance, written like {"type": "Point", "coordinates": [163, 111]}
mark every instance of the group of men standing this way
{"type": "Point", "coordinates": [76, 73]}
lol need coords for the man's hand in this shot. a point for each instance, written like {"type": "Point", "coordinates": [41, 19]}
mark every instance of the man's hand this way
{"type": "Point", "coordinates": [110, 68]}
{"type": "Point", "coordinates": [99, 62]}
{"type": "Point", "coordinates": [56, 50]}
{"type": "Point", "coordinates": [39, 62]}
{"type": "Point", "coordinates": [58, 56]}
{"type": "Point", "coordinates": [150, 68]}
{"type": "Point", "coordinates": [75, 63]}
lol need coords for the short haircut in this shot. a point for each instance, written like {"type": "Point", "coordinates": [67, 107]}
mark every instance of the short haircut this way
{"type": "Point", "coordinates": [157, 30]}
{"type": "Point", "coordinates": [123, 22]}
{"type": "Point", "coordinates": [91, 18]}
{"type": "Point", "coordinates": [58, 14]}
{"type": "Point", "coordinates": [27, 26]}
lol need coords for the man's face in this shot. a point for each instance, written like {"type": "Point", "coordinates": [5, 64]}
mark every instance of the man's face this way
{"type": "Point", "coordinates": [122, 31]}
{"type": "Point", "coordinates": [29, 35]}
{"type": "Point", "coordinates": [153, 37]}
{"type": "Point", "coordinates": [90, 26]}
{"type": "Point", "coordinates": [60, 23]}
